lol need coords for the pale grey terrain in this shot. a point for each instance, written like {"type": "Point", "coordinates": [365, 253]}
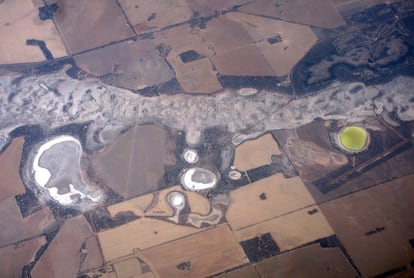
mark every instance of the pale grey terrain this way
{"type": "Point", "coordinates": [56, 100]}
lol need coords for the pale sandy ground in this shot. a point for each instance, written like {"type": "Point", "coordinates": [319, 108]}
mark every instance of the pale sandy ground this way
{"type": "Point", "coordinates": [140, 234]}
{"type": "Point", "coordinates": [156, 204]}
{"type": "Point", "coordinates": [128, 268]}
{"type": "Point", "coordinates": [209, 252]}
{"type": "Point", "coordinates": [19, 22]}
{"type": "Point", "coordinates": [296, 40]}
{"type": "Point", "coordinates": [291, 230]}
{"type": "Point", "coordinates": [282, 196]}
{"type": "Point", "coordinates": [255, 153]}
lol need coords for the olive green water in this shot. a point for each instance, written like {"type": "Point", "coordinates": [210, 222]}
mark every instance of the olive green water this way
{"type": "Point", "coordinates": [353, 138]}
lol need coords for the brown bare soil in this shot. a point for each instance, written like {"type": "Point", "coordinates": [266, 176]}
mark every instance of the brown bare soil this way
{"type": "Point", "coordinates": [291, 230]}
{"type": "Point", "coordinates": [13, 258]}
{"type": "Point", "coordinates": [15, 228]}
{"type": "Point", "coordinates": [255, 153]}
{"type": "Point", "coordinates": [181, 39]}
{"type": "Point", "coordinates": [321, 13]}
{"type": "Point", "coordinates": [311, 152]}
{"type": "Point", "coordinates": [199, 255]}
{"type": "Point", "coordinates": [134, 164]}
{"type": "Point", "coordinates": [146, 275]}
{"type": "Point", "coordinates": [62, 257]}
{"type": "Point", "coordinates": [136, 205]}
{"type": "Point", "coordinates": [213, 6]}
{"type": "Point", "coordinates": [375, 225]}
{"type": "Point", "coordinates": [347, 7]}
{"type": "Point", "coordinates": [19, 22]}
{"type": "Point", "coordinates": [243, 61]}
{"type": "Point", "coordinates": [138, 65]}
{"type": "Point", "coordinates": [156, 204]}
{"type": "Point", "coordinates": [128, 268]}
{"type": "Point", "coordinates": [245, 272]}
{"type": "Point", "coordinates": [196, 77]}
{"type": "Point", "coordinates": [10, 182]}
{"type": "Point", "coordinates": [309, 261]}
{"type": "Point", "coordinates": [109, 275]}
{"type": "Point", "coordinates": [85, 25]}
{"type": "Point", "coordinates": [147, 15]}
{"type": "Point", "coordinates": [234, 51]}
{"type": "Point", "coordinates": [398, 166]}
{"type": "Point", "coordinates": [295, 40]}
{"type": "Point", "coordinates": [93, 258]}
{"type": "Point", "coordinates": [140, 234]}
{"type": "Point", "coordinates": [225, 35]}
{"type": "Point", "coordinates": [281, 196]}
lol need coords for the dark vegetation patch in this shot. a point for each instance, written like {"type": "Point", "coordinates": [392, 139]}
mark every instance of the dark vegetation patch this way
{"type": "Point", "coordinates": [78, 131]}
{"type": "Point", "coordinates": [47, 11]}
{"type": "Point", "coordinates": [184, 266]}
{"type": "Point", "coordinates": [263, 172]}
{"type": "Point", "coordinates": [355, 89]}
{"type": "Point", "coordinates": [260, 247]}
{"type": "Point", "coordinates": [408, 21]}
{"type": "Point", "coordinates": [346, 173]}
{"type": "Point", "coordinates": [349, 42]}
{"type": "Point", "coordinates": [163, 49]}
{"type": "Point", "coordinates": [171, 87]}
{"type": "Point", "coordinates": [145, 36]}
{"type": "Point", "coordinates": [47, 67]}
{"type": "Point", "coordinates": [100, 219]}
{"type": "Point", "coordinates": [286, 166]}
{"type": "Point", "coordinates": [375, 231]}
{"type": "Point", "coordinates": [42, 45]}
{"type": "Point", "coordinates": [412, 242]}
{"type": "Point", "coordinates": [61, 212]}
{"type": "Point", "coordinates": [197, 21]}
{"type": "Point", "coordinates": [258, 82]}
{"type": "Point", "coordinates": [27, 203]}
{"type": "Point", "coordinates": [216, 136]}
{"type": "Point", "coordinates": [32, 134]}
{"type": "Point", "coordinates": [152, 17]}
{"type": "Point", "coordinates": [313, 211]}
{"type": "Point", "coordinates": [234, 184]}
{"type": "Point", "coordinates": [392, 272]}
{"type": "Point", "coordinates": [111, 197]}
{"type": "Point", "coordinates": [171, 175]}
{"type": "Point", "coordinates": [190, 56]}
{"type": "Point", "coordinates": [275, 39]}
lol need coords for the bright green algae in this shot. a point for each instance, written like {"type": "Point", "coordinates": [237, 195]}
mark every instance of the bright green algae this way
{"type": "Point", "coordinates": [353, 138]}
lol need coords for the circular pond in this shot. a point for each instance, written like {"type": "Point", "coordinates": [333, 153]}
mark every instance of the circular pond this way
{"type": "Point", "coordinates": [195, 179]}
{"type": "Point", "coordinates": [353, 139]}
